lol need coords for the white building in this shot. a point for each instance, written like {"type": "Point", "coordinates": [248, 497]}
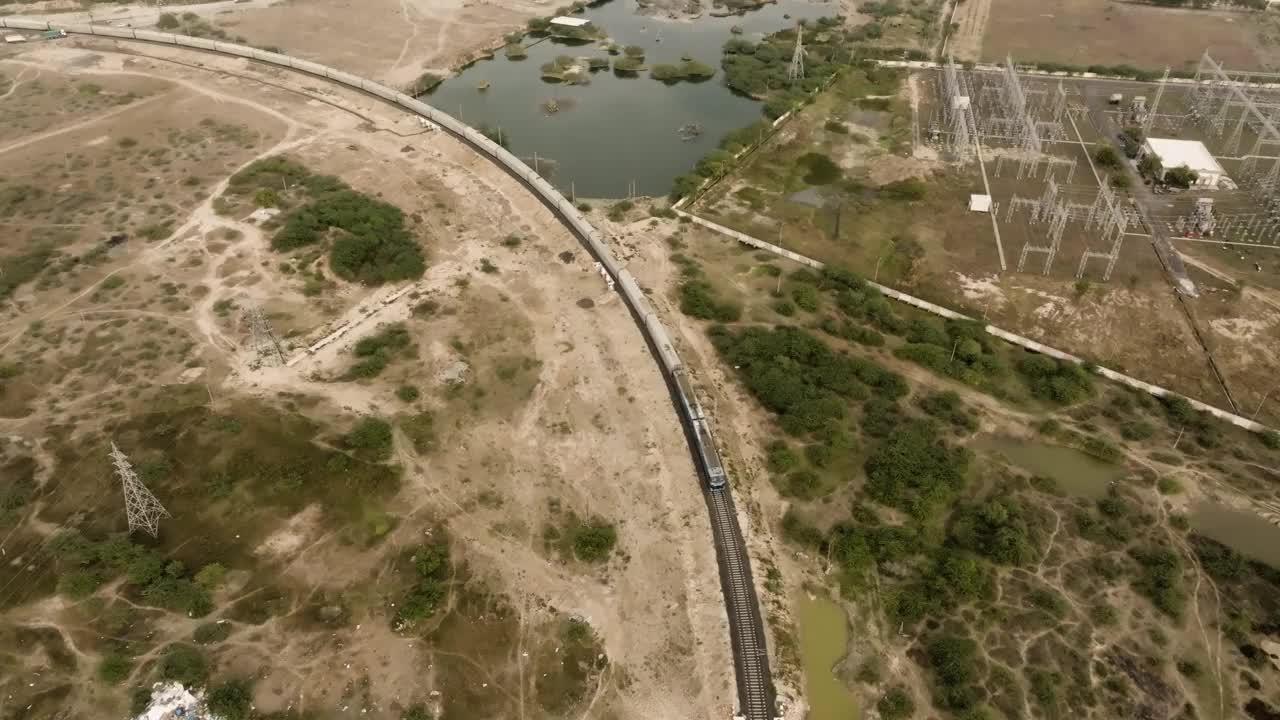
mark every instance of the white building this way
{"type": "Point", "coordinates": [1186, 153]}
{"type": "Point", "coordinates": [570, 22]}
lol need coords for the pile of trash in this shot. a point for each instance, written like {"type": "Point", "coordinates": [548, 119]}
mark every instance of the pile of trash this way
{"type": "Point", "coordinates": [170, 700]}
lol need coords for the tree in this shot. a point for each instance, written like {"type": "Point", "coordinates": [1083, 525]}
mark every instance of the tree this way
{"type": "Point", "coordinates": [1149, 166]}
{"type": "Point", "coordinates": [168, 21]}
{"type": "Point", "coordinates": [184, 664]}
{"type": "Point", "coordinates": [1181, 177]}
{"type": "Point", "coordinates": [113, 669]}
{"type": "Point", "coordinates": [231, 700]}
{"type": "Point", "coordinates": [1107, 157]}
{"type": "Point", "coordinates": [1131, 140]}
{"type": "Point", "coordinates": [896, 704]}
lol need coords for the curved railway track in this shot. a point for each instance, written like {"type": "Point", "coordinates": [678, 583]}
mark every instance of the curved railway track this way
{"type": "Point", "coordinates": [746, 629]}
{"type": "Point", "coordinates": [755, 684]}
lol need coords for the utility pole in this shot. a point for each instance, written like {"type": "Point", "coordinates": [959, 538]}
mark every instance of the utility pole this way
{"type": "Point", "coordinates": [142, 508]}
{"type": "Point", "coordinates": [1260, 402]}
{"type": "Point", "coordinates": [796, 70]}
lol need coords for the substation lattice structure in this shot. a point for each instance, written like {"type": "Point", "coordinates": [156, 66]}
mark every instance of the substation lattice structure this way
{"type": "Point", "coordinates": [142, 508]}
{"type": "Point", "coordinates": [1020, 120]}
{"type": "Point", "coordinates": [262, 340]}
{"type": "Point", "coordinates": [1238, 112]}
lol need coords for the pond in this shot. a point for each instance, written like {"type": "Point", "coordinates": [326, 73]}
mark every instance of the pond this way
{"type": "Point", "coordinates": [1241, 530]}
{"type": "Point", "coordinates": [617, 132]}
{"type": "Point", "coordinates": [1075, 472]}
{"type": "Point", "coordinates": [824, 634]}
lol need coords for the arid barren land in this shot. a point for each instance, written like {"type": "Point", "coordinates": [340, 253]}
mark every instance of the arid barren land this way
{"type": "Point", "coordinates": [480, 412]}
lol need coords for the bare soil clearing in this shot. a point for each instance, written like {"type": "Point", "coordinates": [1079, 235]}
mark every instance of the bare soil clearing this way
{"type": "Point", "coordinates": [1087, 32]}
{"type": "Point", "coordinates": [563, 411]}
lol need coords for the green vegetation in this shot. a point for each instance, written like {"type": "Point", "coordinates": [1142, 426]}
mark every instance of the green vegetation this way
{"type": "Point", "coordinates": [114, 669]}
{"type": "Point", "coordinates": [377, 351]}
{"type": "Point", "coordinates": [156, 581]}
{"type": "Point", "coordinates": [371, 437]}
{"type": "Point", "coordinates": [185, 664]}
{"type": "Point", "coordinates": [17, 270]}
{"type": "Point", "coordinates": [407, 393]}
{"type": "Point", "coordinates": [367, 238]}
{"type": "Point", "coordinates": [819, 169]}
{"type": "Point", "coordinates": [430, 573]}
{"type": "Point", "coordinates": [1057, 381]}
{"type": "Point", "coordinates": [593, 540]}
{"type": "Point", "coordinates": [690, 70]}
{"type": "Point", "coordinates": [231, 700]}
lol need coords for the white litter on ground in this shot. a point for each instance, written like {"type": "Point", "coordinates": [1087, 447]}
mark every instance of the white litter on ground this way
{"type": "Point", "coordinates": [170, 700]}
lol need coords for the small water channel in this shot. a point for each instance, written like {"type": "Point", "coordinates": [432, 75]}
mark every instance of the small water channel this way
{"type": "Point", "coordinates": [1075, 472]}
{"type": "Point", "coordinates": [618, 130]}
{"type": "Point", "coordinates": [824, 635]}
{"type": "Point", "coordinates": [1241, 530]}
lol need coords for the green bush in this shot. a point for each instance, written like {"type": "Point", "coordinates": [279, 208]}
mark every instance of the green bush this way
{"type": "Point", "coordinates": [1160, 580]}
{"type": "Point", "coordinates": [372, 435]}
{"type": "Point", "coordinates": [697, 299]}
{"type": "Point", "coordinates": [593, 541]}
{"type": "Point", "coordinates": [430, 586]}
{"type": "Point", "coordinates": [184, 664]}
{"type": "Point", "coordinates": [231, 700]}
{"type": "Point", "coordinates": [407, 393]}
{"type": "Point", "coordinates": [1057, 381]}
{"type": "Point", "coordinates": [819, 169]}
{"type": "Point", "coordinates": [896, 704]}
{"type": "Point", "coordinates": [114, 669]}
{"type": "Point", "coordinates": [805, 297]}
{"type": "Point", "coordinates": [374, 246]}
{"type": "Point", "coordinates": [914, 470]}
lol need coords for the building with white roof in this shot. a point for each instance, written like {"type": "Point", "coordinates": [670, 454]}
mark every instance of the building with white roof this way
{"type": "Point", "coordinates": [1186, 153]}
{"type": "Point", "coordinates": [573, 22]}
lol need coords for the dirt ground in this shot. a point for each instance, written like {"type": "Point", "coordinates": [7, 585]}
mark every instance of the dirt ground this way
{"type": "Point", "coordinates": [965, 42]}
{"type": "Point", "coordinates": [1087, 32]}
{"type": "Point", "coordinates": [566, 408]}
{"type": "Point", "coordinates": [391, 41]}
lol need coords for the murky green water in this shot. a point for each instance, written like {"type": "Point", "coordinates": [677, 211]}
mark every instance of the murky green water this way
{"type": "Point", "coordinates": [824, 635]}
{"type": "Point", "coordinates": [1075, 472]}
{"type": "Point", "coordinates": [618, 130]}
{"type": "Point", "coordinates": [1241, 530]}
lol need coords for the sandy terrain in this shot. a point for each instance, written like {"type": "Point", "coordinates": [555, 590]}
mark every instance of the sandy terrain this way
{"type": "Point", "coordinates": [588, 428]}
{"type": "Point", "coordinates": [1085, 32]}
{"type": "Point", "coordinates": [391, 41]}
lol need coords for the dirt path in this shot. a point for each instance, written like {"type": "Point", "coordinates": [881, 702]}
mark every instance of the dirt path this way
{"type": "Point", "coordinates": [17, 82]}
{"type": "Point", "coordinates": [966, 42]}
{"type": "Point", "coordinates": [1264, 296]}
{"type": "Point", "coordinates": [87, 123]}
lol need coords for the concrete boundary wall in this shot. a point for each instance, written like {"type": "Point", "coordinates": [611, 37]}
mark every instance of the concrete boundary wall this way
{"type": "Point", "coordinates": [1005, 335]}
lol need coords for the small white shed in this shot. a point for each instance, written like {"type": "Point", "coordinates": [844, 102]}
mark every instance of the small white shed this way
{"type": "Point", "coordinates": [980, 203]}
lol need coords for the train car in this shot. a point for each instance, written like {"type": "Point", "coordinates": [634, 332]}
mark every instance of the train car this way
{"type": "Point", "coordinates": [24, 24]}
{"type": "Point", "coordinates": [710, 456]}
{"type": "Point", "coordinates": [200, 43]}
{"type": "Point", "coordinates": [107, 31]}
{"type": "Point", "coordinates": [688, 399]}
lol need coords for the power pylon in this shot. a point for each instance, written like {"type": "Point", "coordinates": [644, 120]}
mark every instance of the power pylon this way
{"type": "Point", "coordinates": [796, 70]}
{"type": "Point", "coordinates": [263, 340]}
{"type": "Point", "coordinates": [142, 508]}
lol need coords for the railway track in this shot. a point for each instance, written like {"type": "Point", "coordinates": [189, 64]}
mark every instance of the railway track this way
{"type": "Point", "coordinates": [755, 684]}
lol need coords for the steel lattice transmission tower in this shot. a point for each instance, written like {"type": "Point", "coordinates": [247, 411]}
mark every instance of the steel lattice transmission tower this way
{"type": "Point", "coordinates": [796, 70]}
{"type": "Point", "coordinates": [264, 342]}
{"type": "Point", "coordinates": [143, 509]}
